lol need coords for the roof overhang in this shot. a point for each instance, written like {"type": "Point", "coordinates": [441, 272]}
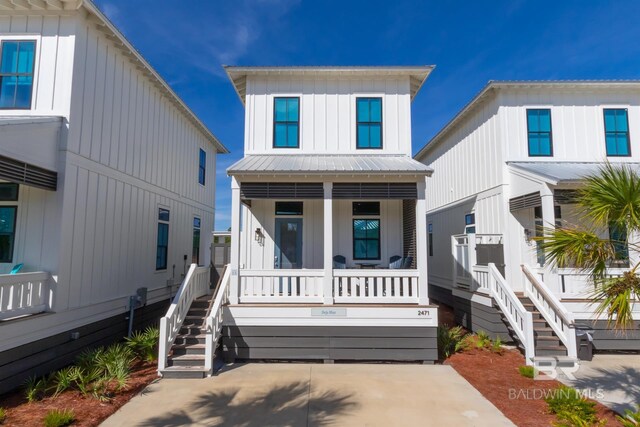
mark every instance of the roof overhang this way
{"type": "Point", "coordinates": [329, 165]}
{"type": "Point", "coordinates": [417, 74]}
{"type": "Point", "coordinates": [555, 173]}
{"type": "Point", "coordinates": [102, 24]}
{"type": "Point", "coordinates": [494, 85]}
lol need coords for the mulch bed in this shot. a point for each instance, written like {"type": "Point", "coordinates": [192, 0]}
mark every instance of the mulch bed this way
{"type": "Point", "coordinates": [521, 399]}
{"type": "Point", "coordinates": [88, 410]}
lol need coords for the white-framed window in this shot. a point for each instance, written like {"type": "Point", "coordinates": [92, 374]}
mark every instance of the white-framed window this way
{"type": "Point", "coordinates": [430, 238]}
{"type": "Point", "coordinates": [18, 71]}
{"type": "Point", "coordinates": [8, 219]}
{"type": "Point", "coordinates": [470, 223]}
{"type": "Point", "coordinates": [162, 243]}
{"type": "Point", "coordinates": [195, 253]}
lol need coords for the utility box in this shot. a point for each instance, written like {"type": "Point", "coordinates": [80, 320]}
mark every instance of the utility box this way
{"type": "Point", "coordinates": [584, 342]}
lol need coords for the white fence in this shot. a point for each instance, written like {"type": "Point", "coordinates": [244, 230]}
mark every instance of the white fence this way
{"type": "Point", "coordinates": [24, 293]}
{"type": "Point", "coordinates": [213, 322]}
{"type": "Point", "coordinates": [300, 285]}
{"type": "Point", "coordinates": [194, 285]}
{"type": "Point", "coordinates": [466, 273]}
{"type": "Point", "coordinates": [375, 286]}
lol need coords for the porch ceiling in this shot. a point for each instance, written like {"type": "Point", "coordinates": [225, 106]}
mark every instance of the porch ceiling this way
{"type": "Point", "coordinates": [313, 164]}
{"type": "Point", "coordinates": [564, 172]}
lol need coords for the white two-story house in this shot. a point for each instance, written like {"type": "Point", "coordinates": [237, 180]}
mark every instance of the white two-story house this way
{"type": "Point", "coordinates": [106, 186]}
{"type": "Point", "coordinates": [327, 259]}
{"type": "Point", "coordinates": [507, 164]}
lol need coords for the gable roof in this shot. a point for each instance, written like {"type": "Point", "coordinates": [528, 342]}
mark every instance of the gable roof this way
{"type": "Point", "coordinates": [103, 24]}
{"type": "Point", "coordinates": [494, 85]}
{"type": "Point", "coordinates": [417, 74]}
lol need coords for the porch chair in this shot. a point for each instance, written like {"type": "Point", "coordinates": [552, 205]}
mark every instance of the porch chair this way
{"type": "Point", "coordinates": [16, 268]}
{"type": "Point", "coordinates": [395, 262]}
{"type": "Point", "coordinates": [406, 262]}
{"type": "Point", "coordinates": [339, 262]}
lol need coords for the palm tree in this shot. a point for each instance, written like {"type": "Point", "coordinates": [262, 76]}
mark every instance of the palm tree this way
{"type": "Point", "coordinates": [609, 199]}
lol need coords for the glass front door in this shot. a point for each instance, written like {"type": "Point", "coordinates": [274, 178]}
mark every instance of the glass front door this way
{"type": "Point", "coordinates": [288, 243]}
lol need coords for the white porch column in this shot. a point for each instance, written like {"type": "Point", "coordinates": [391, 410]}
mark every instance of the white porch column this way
{"type": "Point", "coordinates": [235, 242]}
{"type": "Point", "coordinates": [421, 244]}
{"type": "Point", "coordinates": [548, 207]}
{"type": "Point", "coordinates": [328, 243]}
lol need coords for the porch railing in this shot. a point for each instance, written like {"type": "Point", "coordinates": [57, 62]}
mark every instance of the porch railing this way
{"type": "Point", "coordinates": [194, 285]}
{"type": "Point", "coordinates": [300, 285]}
{"type": "Point", "coordinates": [24, 293]}
{"type": "Point", "coordinates": [557, 316]}
{"type": "Point", "coordinates": [213, 322]}
{"type": "Point", "coordinates": [480, 274]}
{"type": "Point", "coordinates": [575, 283]}
{"type": "Point", "coordinates": [375, 286]}
{"type": "Point", "coordinates": [519, 318]}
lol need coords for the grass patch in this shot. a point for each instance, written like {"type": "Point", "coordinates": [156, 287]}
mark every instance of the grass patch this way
{"type": "Point", "coordinates": [527, 371]}
{"type": "Point", "coordinates": [59, 418]}
{"type": "Point", "coordinates": [571, 408]}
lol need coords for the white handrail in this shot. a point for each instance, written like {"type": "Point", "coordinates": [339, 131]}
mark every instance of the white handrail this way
{"type": "Point", "coordinates": [24, 293]}
{"type": "Point", "coordinates": [554, 312]}
{"type": "Point", "coordinates": [518, 317]}
{"type": "Point", "coordinates": [213, 329]}
{"type": "Point", "coordinates": [194, 285]}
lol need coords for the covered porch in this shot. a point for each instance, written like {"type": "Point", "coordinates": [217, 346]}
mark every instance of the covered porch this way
{"type": "Point", "coordinates": [320, 236]}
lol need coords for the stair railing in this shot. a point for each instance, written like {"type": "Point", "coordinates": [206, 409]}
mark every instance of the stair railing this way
{"type": "Point", "coordinates": [213, 328]}
{"type": "Point", "coordinates": [554, 312]}
{"type": "Point", "coordinates": [519, 318]}
{"type": "Point", "coordinates": [194, 285]}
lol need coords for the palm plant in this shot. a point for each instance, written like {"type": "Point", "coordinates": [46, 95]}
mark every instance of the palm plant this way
{"type": "Point", "coordinates": [609, 199]}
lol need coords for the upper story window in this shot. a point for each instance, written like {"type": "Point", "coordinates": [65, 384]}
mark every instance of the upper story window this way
{"type": "Point", "coordinates": [616, 132]}
{"type": "Point", "coordinates": [369, 123]}
{"type": "Point", "coordinates": [470, 223]}
{"type": "Point", "coordinates": [16, 73]}
{"type": "Point", "coordinates": [202, 166]}
{"type": "Point", "coordinates": [286, 122]}
{"type": "Point", "coordinates": [539, 132]}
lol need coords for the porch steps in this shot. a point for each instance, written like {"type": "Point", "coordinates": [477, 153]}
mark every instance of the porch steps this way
{"type": "Point", "coordinates": [186, 359]}
{"type": "Point", "coordinates": [547, 343]}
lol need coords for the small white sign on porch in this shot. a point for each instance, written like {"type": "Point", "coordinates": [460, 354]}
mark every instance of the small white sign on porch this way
{"type": "Point", "coordinates": [329, 312]}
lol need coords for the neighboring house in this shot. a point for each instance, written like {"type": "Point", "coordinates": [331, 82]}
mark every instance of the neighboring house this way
{"type": "Point", "coordinates": [506, 164]}
{"type": "Point", "coordinates": [106, 184]}
{"type": "Point", "coordinates": [327, 259]}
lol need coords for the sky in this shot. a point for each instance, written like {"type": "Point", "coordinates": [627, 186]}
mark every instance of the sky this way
{"type": "Point", "coordinates": [469, 42]}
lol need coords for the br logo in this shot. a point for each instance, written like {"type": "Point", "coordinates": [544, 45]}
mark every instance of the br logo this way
{"type": "Point", "coordinates": [550, 367]}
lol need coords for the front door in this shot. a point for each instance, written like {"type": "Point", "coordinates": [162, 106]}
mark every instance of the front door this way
{"type": "Point", "coordinates": [288, 243]}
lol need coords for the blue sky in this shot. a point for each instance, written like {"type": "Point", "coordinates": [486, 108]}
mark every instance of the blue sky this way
{"type": "Point", "coordinates": [470, 42]}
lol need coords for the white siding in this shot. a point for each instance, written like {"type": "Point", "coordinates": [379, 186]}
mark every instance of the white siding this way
{"type": "Point", "coordinates": [55, 40]}
{"type": "Point", "coordinates": [327, 113]}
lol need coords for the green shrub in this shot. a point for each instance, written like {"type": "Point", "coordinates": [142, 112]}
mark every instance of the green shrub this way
{"type": "Point", "coordinates": [35, 388]}
{"type": "Point", "coordinates": [145, 344]}
{"type": "Point", "coordinates": [450, 340]}
{"type": "Point", "coordinates": [496, 346]}
{"type": "Point", "coordinates": [3, 415]}
{"type": "Point", "coordinates": [630, 418]}
{"type": "Point", "coordinates": [527, 371]}
{"type": "Point", "coordinates": [97, 370]}
{"type": "Point", "coordinates": [571, 408]}
{"type": "Point", "coordinates": [59, 418]}
{"type": "Point", "coordinates": [483, 340]}
{"type": "Point", "coordinates": [62, 380]}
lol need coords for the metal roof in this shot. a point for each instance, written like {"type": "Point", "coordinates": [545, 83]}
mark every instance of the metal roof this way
{"type": "Point", "coordinates": [26, 120]}
{"type": "Point", "coordinates": [417, 73]}
{"type": "Point", "coordinates": [312, 164]}
{"type": "Point", "coordinates": [565, 172]}
{"type": "Point", "coordinates": [494, 85]}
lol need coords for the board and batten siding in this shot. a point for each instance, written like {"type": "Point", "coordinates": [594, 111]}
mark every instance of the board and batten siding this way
{"type": "Point", "coordinates": [262, 215]}
{"type": "Point", "coordinates": [468, 161]}
{"type": "Point", "coordinates": [577, 122]}
{"type": "Point", "coordinates": [55, 40]}
{"type": "Point", "coordinates": [327, 113]}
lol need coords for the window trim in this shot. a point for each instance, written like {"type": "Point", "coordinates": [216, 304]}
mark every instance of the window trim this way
{"type": "Point", "coordinates": [202, 167]}
{"type": "Point", "coordinates": [168, 223]}
{"type": "Point", "coordinates": [604, 130]}
{"type": "Point", "coordinates": [273, 142]}
{"type": "Point", "coordinates": [379, 239]}
{"type": "Point", "coordinates": [550, 131]}
{"type": "Point", "coordinates": [381, 98]}
{"type": "Point", "coordinates": [13, 232]}
{"type": "Point", "coordinates": [36, 64]}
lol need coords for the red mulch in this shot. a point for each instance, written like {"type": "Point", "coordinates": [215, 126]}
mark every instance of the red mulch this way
{"type": "Point", "coordinates": [521, 399]}
{"type": "Point", "coordinates": [88, 410]}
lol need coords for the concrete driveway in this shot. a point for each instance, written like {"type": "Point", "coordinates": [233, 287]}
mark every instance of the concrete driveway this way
{"type": "Point", "coordinates": [612, 379]}
{"type": "Point", "coordinates": [261, 395]}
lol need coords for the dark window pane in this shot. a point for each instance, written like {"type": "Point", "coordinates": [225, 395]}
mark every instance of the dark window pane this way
{"type": "Point", "coordinates": [195, 254]}
{"type": "Point", "coordinates": [469, 219]}
{"type": "Point", "coordinates": [8, 85]}
{"type": "Point", "coordinates": [363, 110]}
{"type": "Point", "coordinates": [366, 208]}
{"type": "Point", "coordinates": [363, 136]}
{"type": "Point", "coordinates": [375, 110]}
{"type": "Point", "coordinates": [163, 214]}
{"type": "Point", "coordinates": [292, 109]}
{"type": "Point", "coordinates": [539, 132]}
{"type": "Point", "coordinates": [288, 208]}
{"type": "Point", "coordinates": [7, 232]}
{"type": "Point", "coordinates": [196, 222]}
{"type": "Point", "coordinates": [292, 135]}
{"type": "Point", "coordinates": [162, 246]}
{"type": "Point", "coordinates": [9, 63]}
{"type": "Point", "coordinates": [25, 57]}
{"type": "Point", "coordinates": [23, 92]}
{"type": "Point", "coordinates": [280, 135]}
{"type": "Point", "coordinates": [375, 136]}
{"type": "Point", "coordinates": [280, 113]}
{"type": "Point", "coordinates": [8, 192]}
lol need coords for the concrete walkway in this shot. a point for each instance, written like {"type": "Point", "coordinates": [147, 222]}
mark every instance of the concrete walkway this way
{"type": "Point", "coordinates": [261, 395]}
{"type": "Point", "coordinates": [612, 379]}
